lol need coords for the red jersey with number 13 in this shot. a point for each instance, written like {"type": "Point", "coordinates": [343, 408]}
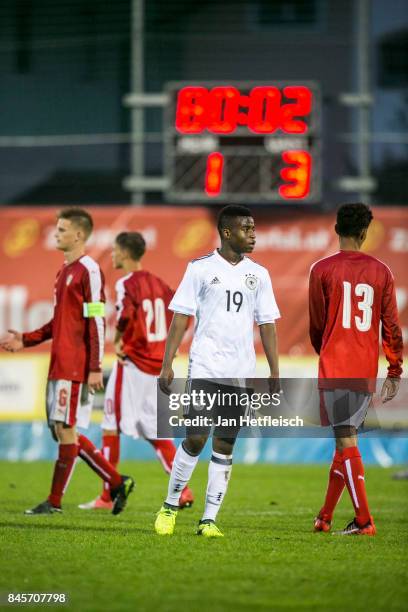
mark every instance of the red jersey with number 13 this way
{"type": "Point", "coordinates": [350, 294]}
{"type": "Point", "coordinates": [144, 318]}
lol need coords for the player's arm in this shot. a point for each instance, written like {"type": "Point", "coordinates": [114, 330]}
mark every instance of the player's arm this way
{"type": "Point", "coordinates": [125, 308]}
{"type": "Point", "coordinates": [94, 311]}
{"type": "Point", "coordinates": [270, 346]}
{"type": "Point", "coordinates": [184, 305]}
{"type": "Point", "coordinates": [14, 341]}
{"type": "Point", "coordinates": [266, 313]}
{"type": "Point", "coordinates": [176, 332]}
{"type": "Point", "coordinates": [391, 340]}
{"type": "Point", "coordinates": [317, 311]}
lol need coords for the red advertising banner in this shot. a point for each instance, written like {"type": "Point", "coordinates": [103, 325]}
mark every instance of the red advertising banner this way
{"type": "Point", "coordinates": [287, 245]}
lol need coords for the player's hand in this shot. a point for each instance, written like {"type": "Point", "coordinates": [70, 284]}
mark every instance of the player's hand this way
{"type": "Point", "coordinates": [119, 352]}
{"type": "Point", "coordinates": [274, 384]}
{"type": "Point", "coordinates": [95, 381]}
{"type": "Point", "coordinates": [389, 389]}
{"type": "Point", "coordinates": [12, 341]}
{"type": "Point", "coordinates": [165, 379]}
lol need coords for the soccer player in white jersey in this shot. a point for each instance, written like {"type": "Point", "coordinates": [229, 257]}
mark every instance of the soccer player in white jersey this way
{"type": "Point", "coordinates": [226, 292]}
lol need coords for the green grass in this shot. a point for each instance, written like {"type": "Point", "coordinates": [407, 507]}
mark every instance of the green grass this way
{"type": "Point", "coordinates": [268, 560]}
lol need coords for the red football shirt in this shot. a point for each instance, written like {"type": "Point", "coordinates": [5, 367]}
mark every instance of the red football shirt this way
{"type": "Point", "coordinates": [77, 341]}
{"type": "Point", "coordinates": [350, 294]}
{"type": "Point", "coordinates": [144, 318]}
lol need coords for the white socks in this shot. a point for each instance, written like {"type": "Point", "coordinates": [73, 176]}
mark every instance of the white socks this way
{"type": "Point", "coordinates": [219, 472]}
{"type": "Point", "coordinates": [183, 467]}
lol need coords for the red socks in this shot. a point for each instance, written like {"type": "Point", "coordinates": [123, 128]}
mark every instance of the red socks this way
{"type": "Point", "coordinates": [64, 466]}
{"type": "Point", "coordinates": [335, 487]}
{"type": "Point", "coordinates": [347, 470]}
{"type": "Point", "coordinates": [111, 452]}
{"type": "Point", "coordinates": [353, 471]}
{"type": "Point", "coordinates": [97, 462]}
{"type": "Point", "coordinates": [165, 450]}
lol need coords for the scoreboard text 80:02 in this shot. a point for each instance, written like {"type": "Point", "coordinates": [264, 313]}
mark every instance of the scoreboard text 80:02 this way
{"type": "Point", "coordinates": [243, 142]}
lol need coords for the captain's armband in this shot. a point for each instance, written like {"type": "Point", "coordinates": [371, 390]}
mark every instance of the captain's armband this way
{"type": "Point", "coordinates": [94, 309]}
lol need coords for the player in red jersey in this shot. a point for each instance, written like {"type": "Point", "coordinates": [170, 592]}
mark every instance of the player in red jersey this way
{"type": "Point", "coordinates": [131, 395]}
{"type": "Point", "coordinates": [350, 294]}
{"type": "Point", "coordinates": [77, 331]}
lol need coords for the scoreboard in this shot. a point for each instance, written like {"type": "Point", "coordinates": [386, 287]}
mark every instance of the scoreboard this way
{"type": "Point", "coordinates": [243, 142]}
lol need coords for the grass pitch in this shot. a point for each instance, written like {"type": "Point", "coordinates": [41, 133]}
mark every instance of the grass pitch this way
{"type": "Point", "coordinates": [268, 560]}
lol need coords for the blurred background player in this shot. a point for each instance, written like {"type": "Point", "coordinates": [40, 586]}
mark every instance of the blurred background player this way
{"type": "Point", "coordinates": [350, 294]}
{"type": "Point", "coordinates": [77, 331]}
{"type": "Point", "coordinates": [143, 318]}
{"type": "Point", "coordinates": [226, 292]}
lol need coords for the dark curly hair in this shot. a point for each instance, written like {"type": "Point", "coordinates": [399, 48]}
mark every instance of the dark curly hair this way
{"type": "Point", "coordinates": [352, 219]}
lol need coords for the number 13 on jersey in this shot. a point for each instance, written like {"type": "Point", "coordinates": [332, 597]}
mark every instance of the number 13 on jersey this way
{"type": "Point", "coordinates": [365, 305]}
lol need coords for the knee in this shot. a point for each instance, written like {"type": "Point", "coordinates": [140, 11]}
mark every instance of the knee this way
{"type": "Point", "coordinates": [194, 444]}
{"type": "Point", "coordinates": [224, 446]}
{"type": "Point", "coordinates": [65, 435]}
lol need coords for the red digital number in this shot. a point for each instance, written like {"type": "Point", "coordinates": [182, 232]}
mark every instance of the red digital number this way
{"type": "Point", "coordinates": [302, 107]}
{"type": "Point", "coordinates": [222, 110]}
{"type": "Point", "coordinates": [298, 174]}
{"type": "Point", "coordinates": [264, 110]}
{"type": "Point", "coordinates": [191, 110]}
{"type": "Point", "coordinates": [213, 175]}
{"type": "Point", "coordinates": [218, 110]}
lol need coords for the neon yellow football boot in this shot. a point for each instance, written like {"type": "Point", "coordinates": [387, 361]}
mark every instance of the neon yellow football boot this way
{"type": "Point", "coordinates": [209, 530]}
{"type": "Point", "coordinates": [165, 521]}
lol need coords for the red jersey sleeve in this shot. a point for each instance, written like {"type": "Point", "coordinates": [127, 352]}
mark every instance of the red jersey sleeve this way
{"type": "Point", "coordinates": [390, 329]}
{"type": "Point", "coordinates": [125, 306]}
{"type": "Point", "coordinates": [317, 310]}
{"type": "Point", "coordinates": [93, 287]}
{"type": "Point", "coordinates": [38, 335]}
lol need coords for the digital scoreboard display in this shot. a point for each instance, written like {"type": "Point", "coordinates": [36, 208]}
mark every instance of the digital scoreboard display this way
{"type": "Point", "coordinates": [243, 142]}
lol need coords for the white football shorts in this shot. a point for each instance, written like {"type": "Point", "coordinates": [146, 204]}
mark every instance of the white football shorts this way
{"type": "Point", "coordinates": [131, 402]}
{"type": "Point", "coordinates": [68, 402]}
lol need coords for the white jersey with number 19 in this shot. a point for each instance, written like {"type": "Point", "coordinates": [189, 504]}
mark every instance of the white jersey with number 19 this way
{"type": "Point", "coordinates": [225, 299]}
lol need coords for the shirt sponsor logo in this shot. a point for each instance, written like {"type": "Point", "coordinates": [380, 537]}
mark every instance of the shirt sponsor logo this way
{"type": "Point", "coordinates": [251, 281]}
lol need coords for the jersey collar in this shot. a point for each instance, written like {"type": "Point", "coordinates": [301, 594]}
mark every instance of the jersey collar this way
{"type": "Point", "coordinates": [228, 263]}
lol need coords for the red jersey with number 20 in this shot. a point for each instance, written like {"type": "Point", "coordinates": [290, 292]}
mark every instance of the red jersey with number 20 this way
{"type": "Point", "coordinates": [350, 294]}
{"type": "Point", "coordinates": [77, 333]}
{"type": "Point", "coordinates": [144, 318]}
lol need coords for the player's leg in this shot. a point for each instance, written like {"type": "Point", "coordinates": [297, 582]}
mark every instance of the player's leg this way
{"type": "Point", "coordinates": [61, 399]}
{"type": "Point", "coordinates": [353, 472]}
{"type": "Point", "coordinates": [336, 484]}
{"type": "Point", "coordinates": [166, 451]}
{"type": "Point", "coordinates": [185, 461]}
{"type": "Point", "coordinates": [335, 488]}
{"type": "Point", "coordinates": [219, 472]}
{"type": "Point", "coordinates": [120, 485]}
{"type": "Point", "coordinates": [111, 452]}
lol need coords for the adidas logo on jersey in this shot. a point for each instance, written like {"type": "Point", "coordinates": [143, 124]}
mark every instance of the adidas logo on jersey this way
{"type": "Point", "coordinates": [215, 281]}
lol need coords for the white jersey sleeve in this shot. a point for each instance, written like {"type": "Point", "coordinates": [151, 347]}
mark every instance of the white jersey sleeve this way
{"type": "Point", "coordinates": [266, 308]}
{"type": "Point", "coordinates": [185, 299]}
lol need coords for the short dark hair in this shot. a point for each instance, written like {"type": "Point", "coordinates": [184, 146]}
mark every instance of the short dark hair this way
{"type": "Point", "coordinates": [79, 217]}
{"type": "Point", "coordinates": [352, 219]}
{"type": "Point", "coordinates": [132, 242]}
{"type": "Point", "coordinates": [231, 212]}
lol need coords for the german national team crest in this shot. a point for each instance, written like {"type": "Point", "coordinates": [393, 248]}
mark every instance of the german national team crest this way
{"type": "Point", "coordinates": [251, 281]}
{"type": "Point", "coordinates": [69, 279]}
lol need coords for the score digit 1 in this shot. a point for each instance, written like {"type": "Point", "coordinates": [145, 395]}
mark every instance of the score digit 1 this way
{"type": "Point", "coordinates": [213, 174]}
